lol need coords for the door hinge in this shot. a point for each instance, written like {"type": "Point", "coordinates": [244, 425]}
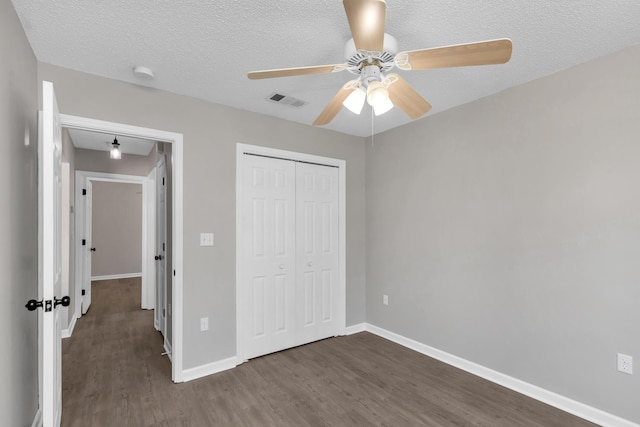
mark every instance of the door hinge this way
{"type": "Point", "coordinates": [163, 247]}
{"type": "Point", "coordinates": [84, 292]}
{"type": "Point", "coordinates": [84, 242]}
{"type": "Point", "coordinates": [84, 191]}
{"type": "Point", "coordinates": [174, 272]}
{"type": "Point", "coordinates": [163, 313]}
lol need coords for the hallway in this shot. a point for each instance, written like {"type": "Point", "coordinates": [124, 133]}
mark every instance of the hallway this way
{"type": "Point", "coordinates": [112, 366]}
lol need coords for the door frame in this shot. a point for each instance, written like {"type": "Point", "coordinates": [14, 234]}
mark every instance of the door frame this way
{"type": "Point", "coordinates": [176, 139]}
{"type": "Point", "coordinates": [148, 237]}
{"type": "Point", "coordinates": [241, 149]}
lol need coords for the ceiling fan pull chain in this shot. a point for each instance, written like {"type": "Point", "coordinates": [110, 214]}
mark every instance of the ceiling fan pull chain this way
{"type": "Point", "coordinates": [372, 126]}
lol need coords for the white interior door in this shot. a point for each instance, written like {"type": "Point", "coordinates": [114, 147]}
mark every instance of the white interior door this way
{"type": "Point", "coordinates": [317, 255]}
{"type": "Point", "coordinates": [160, 257]}
{"type": "Point", "coordinates": [268, 282]}
{"type": "Point", "coordinates": [50, 247]}
{"type": "Point", "coordinates": [87, 248]}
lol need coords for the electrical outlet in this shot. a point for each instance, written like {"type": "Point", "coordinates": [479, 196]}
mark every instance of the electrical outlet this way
{"type": "Point", "coordinates": [206, 239]}
{"type": "Point", "coordinates": [385, 299]}
{"type": "Point", "coordinates": [204, 324]}
{"type": "Point", "coordinates": [625, 364]}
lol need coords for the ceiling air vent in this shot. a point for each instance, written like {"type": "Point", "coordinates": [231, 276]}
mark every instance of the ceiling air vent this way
{"type": "Point", "coordinates": [285, 100]}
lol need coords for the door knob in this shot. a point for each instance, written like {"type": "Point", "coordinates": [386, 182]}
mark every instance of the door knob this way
{"type": "Point", "coordinates": [92, 249]}
{"type": "Point", "coordinates": [281, 266]}
{"type": "Point", "coordinates": [33, 304]}
{"type": "Point", "coordinates": [310, 264]}
{"type": "Point", "coordinates": [158, 257]}
{"type": "Point", "coordinates": [64, 301]}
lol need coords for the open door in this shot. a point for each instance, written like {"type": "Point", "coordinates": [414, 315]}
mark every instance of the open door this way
{"type": "Point", "coordinates": [87, 246]}
{"type": "Point", "coordinates": [50, 252]}
{"type": "Point", "coordinates": [161, 233]}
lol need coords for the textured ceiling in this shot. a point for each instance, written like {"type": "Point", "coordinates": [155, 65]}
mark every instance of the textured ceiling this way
{"type": "Point", "coordinates": [204, 49]}
{"type": "Point", "coordinates": [102, 142]}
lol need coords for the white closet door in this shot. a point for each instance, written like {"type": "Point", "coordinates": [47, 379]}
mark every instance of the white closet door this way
{"type": "Point", "coordinates": [268, 221]}
{"type": "Point", "coordinates": [317, 217]}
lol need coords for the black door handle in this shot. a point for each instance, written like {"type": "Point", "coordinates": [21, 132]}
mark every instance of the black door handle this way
{"type": "Point", "coordinates": [92, 249]}
{"type": "Point", "coordinates": [64, 301]}
{"type": "Point", "coordinates": [158, 257]}
{"type": "Point", "coordinates": [33, 304]}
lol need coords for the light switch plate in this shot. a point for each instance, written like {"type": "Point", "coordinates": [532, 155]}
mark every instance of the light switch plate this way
{"type": "Point", "coordinates": [206, 239]}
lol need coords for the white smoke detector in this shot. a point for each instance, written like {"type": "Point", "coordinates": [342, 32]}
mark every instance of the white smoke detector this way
{"type": "Point", "coordinates": [143, 73]}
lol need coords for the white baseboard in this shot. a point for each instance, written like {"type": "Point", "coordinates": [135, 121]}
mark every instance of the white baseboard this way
{"type": "Point", "coordinates": [66, 333]}
{"type": "Point", "coordinates": [116, 276]}
{"type": "Point", "coordinates": [354, 329]}
{"type": "Point", "coordinates": [37, 420]}
{"type": "Point", "coordinates": [571, 406]}
{"type": "Point", "coordinates": [209, 368]}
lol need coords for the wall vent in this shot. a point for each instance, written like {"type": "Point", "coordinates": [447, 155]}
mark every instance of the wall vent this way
{"type": "Point", "coordinates": [285, 100]}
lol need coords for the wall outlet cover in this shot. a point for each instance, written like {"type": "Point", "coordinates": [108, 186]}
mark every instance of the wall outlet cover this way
{"type": "Point", "coordinates": [625, 364]}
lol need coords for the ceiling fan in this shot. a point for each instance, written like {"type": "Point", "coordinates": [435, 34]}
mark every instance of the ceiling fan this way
{"type": "Point", "coordinates": [372, 53]}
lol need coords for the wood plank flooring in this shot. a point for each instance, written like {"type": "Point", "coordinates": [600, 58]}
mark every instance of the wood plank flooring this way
{"type": "Point", "coordinates": [114, 375]}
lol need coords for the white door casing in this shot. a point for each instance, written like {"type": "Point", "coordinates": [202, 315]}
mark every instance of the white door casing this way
{"type": "Point", "coordinates": [88, 244]}
{"type": "Point", "coordinates": [50, 248]}
{"type": "Point", "coordinates": [323, 311]}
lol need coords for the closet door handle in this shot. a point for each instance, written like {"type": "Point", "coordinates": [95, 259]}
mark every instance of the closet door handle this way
{"type": "Point", "coordinates": [310, 264]}
{"type": "Point", "coordinates": [281, 266]}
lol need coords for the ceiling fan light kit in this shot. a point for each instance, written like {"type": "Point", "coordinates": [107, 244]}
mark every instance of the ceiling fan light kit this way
{"type": "Point", "coordinates": [355, 101]}
{"type": "Point", "coordinates": [372, 53]}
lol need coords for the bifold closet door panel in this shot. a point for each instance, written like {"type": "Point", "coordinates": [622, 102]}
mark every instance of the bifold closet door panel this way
{"type": "Point", "coordinates": [317, 254]}
{"type": "Point", "coordinates": [268, 221]}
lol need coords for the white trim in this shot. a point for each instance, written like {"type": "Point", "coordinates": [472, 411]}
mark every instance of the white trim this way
{"type": "Point", "coordinates": [566, 404]}
{"type": "Point", "coordinates": [116, 277]}
{"type": "Point", "coordinates": [354, 329]}
{"type": "Point", "coordinates": [37, 419]}
{"type": "Point", "coordinates": [209, 369]}
{"type": "Point", "coordinates": [176, 139]}
{"type": "Point", "coordinates": [342, 247]}
{"type": "Point", "coordinates": [66, 333]}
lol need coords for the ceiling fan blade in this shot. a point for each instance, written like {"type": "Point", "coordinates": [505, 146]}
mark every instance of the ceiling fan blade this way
{"type": "Point", "coordinates": [366, 20]}
{"type": "Point", "coordinates": [406, 98]}
{"type": "Point", "coordinates": [300, 71]}
{"type": "Point", "coordinates": [333, 108]}
{"type": "Point", "coordinates": [479, 53]}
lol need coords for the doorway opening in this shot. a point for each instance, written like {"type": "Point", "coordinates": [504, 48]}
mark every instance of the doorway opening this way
{"type": "Point", "coordinates": [175, 269]}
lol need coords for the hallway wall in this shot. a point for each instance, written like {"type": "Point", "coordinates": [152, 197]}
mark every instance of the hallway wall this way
{"type": "Point", "coordinates": [116, 229]}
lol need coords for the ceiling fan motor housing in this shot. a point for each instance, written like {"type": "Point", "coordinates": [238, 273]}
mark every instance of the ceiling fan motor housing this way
{"type": "Point", "coordinates": [358, 60]}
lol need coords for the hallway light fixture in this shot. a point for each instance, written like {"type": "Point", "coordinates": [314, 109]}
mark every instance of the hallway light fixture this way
{"type": "Point", "coordinates": [116, 153]}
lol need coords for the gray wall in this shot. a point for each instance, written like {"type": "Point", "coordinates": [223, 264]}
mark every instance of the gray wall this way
{"type": "Point", "coordinates": [116, 228]}
{"type": "Point", "coordinates": [210, 136]}
{"type": "Point", "coordinates": [507, 231]}
{"type": "Point", "coordinates": [18, 222]}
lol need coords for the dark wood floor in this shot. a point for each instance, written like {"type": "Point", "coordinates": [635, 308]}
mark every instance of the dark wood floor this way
{"type": "Point", "coordinates": [114, 375]}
